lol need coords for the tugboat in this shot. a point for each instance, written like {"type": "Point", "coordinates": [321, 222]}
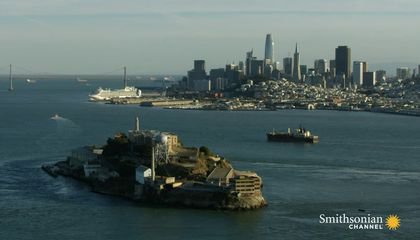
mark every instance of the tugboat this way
{"type": "Point", "coordinates": [299, 135]}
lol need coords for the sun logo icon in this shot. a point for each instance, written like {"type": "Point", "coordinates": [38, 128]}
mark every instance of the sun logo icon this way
{"type": "Point", "coordinates": [393, 222]}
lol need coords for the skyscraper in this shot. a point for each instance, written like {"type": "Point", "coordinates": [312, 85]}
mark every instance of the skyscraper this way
{"type": "Point", "coordinates": [288, 66]}
{"type": "Point", "coordinates": [200, 65]}
{"type": "Point", "coordinates": [296, 65]}
{"type": "Point", "coordinates": [248, 62]}
{"type": "Point", "coordinates": [358, 73]}
{"type": "Point", "coordinates": [198, 73]}
{"type": "Point", "coordinates": [320, 66]}
{"type": "Point", "coordinates": [257, 68]}
{"type": "Point", "coordinates": [269, 49]}
{"type": "Point", "coordinates": [381, 75]}
{"type": "Point", "coordinates": [332, 68]}
{"type": "Point", "coordinates": [343, 61]}
{"type": "Point", "coordinates": [403, 73]}
{"type": "Point", "coordinates": [303, 69]}
{"type": "Point", "coordinates": [369, 79]}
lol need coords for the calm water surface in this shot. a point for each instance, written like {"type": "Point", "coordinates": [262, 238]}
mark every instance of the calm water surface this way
{"type": "Point", "coordinates": [364, 161]}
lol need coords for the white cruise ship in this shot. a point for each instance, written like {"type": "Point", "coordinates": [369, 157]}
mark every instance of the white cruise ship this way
{"type": "Point", "coordinates": [108, 94]}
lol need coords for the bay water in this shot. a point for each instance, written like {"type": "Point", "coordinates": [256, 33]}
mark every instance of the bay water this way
{"type": "Point", "coordinates": [365, 163]}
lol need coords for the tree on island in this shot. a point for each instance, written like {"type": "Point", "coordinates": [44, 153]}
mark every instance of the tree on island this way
{"type": "Point", "coordinates": [206, 151]}
{"type": "Point", "coordinates": [117, 146]}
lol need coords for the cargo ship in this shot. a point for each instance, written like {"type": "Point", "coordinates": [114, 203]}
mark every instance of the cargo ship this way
{"type": "Point", "coordinates": [298, 135]}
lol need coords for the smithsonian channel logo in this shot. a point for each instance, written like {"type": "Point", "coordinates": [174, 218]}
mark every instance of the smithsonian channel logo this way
{"type": "Point", "coordinates": [367, 222]}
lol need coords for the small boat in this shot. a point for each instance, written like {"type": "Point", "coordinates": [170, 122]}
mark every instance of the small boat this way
{"type": "Point", "coordinates": [30, 81]}
{"type": "Point", "coordinates": [56, 117]}
{"type": "Point", "coordinates": [299, 135]}
{"type": "Point", "coordinates": [81, 80]}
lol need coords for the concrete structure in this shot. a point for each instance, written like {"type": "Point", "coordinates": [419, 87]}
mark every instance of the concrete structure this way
{"type": "Point", "coordinates": [90, 169]}
{"type": "Point", "coordinates": [277, 65]}
{"type": "Point", "coordinates": [203, 85]}
{"type": "Point", "coordinates": [246, 182]}
{"type": "Point", "coordinates": [248, 62]}
{"type": "Point", "coordinates": [365, 67]}
{"type": "Point", "coordinates": [139, 137]}
{"type": "Point", "coordinates": [220, 176]}
{"type": "Point", "coordinates": [143, 174]}
{"type": "Point", "coordinates": [257, 68]}
{"type": "Point", "coordinates": [381, 75]}
{"type": "Point", "coordinates": [320, 66]}
{"type": "Point", "coordinates": [403, 73]}
{"type": "Point", "coordinates": [217, 73]}
{"type": "Point", "coordinates": [343, 61]}
{"type": "Point", "coordinates": [241, 66]}
{"type": "Point", "coordinates": [296, 66]}
{"type": "Point", "coordinates": [269, 49]}
{"type": "Point", "coordinates": [288, 66]}
{"type": "Point", "coordinates": [332, 69]}
{"type": "Point", "coordinates": [369, 79]}
{"type": "Point", "coordinates": [233, 74]}
{"type": "Point", "coordinates": [358, 73]}
{"type": "Point", "coordinates": [198, 73]}
{"type": "Point", "coordinates": [418, 70]}
{"type": "Point", "coordinates": [303, 70]}
{"type": "Point", "coordinates": [341, 80]}
{"type": "Point", "coordinates": [276, 74]}
{"type": "Point", "coordinates": [83, 155]}
{"type": "Point", "coordinates": [268, 70]}
{"type": "Point", "coordinates": [217, 78]}
{"type": "Point", "coordinates": [219, 84]}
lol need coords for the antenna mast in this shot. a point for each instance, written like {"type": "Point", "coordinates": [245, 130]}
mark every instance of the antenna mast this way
{"type": "Point", "coordinates": [10, 78]}
{"type": "Point", "coordinates": [125, 76]}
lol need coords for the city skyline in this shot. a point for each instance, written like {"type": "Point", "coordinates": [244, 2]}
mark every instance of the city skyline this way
{"type": "Point", "coordinates": [164, 37]}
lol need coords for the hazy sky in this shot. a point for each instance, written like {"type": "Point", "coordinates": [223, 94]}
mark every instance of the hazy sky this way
{"type": "Point", "coordinates": [164, 36]}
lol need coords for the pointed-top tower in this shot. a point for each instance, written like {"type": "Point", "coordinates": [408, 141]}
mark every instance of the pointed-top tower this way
{"type": "Point", "coordinates": [296, 65]}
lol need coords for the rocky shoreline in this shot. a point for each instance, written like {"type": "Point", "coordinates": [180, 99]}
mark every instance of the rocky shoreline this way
{"type": "Point", "coordinates": [191, 198]}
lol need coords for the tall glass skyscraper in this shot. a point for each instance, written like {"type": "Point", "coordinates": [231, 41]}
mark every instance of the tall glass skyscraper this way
{"type": "Point", "coordinates": [343, 61]}
{"type": "Point", "coordinates": [269, 49]}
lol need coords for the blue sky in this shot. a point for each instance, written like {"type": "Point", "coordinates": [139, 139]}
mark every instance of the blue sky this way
{"type": "Point", "coordinates": [96, 36]}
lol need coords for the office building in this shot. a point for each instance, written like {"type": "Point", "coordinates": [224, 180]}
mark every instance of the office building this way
{"type": "Point", "coordinates": [303, 69]}
{"type": "Point", "coordinates": [257, 68]}
{"type": "Point", "coordinates": [217, 79]}
{"type": "Point", "coordinates": [241, 66]}
{"type": "Point", "coordinates": [203, 85]}
{"type": "Point", "coordinates": [369, 79]}
{"type": "Point", "coordinates": [198, 73]}
{"type": "Point", "coordinates": [381, 75]}
{"type": "Point", "coordinates": [320, 66]}
{"type": "Point", "coordinates": [403, 73]}
{"type": "Point", "coordinates": [332, 69]}
{"type": "Point", "coordinates": [248, 62]}
{"type": "Point", "coordinates": [233, 74]}
{"type": "Point", "coordinates": [288, 66]}
{"type": "Point", "coordinates": [269, 49]}
{"type": "Point", "coordinates": [358, 73]}
{"type": "Point", "coordinates": [365, 67]}
{"type": "Point", "coordinates": [343, 61]}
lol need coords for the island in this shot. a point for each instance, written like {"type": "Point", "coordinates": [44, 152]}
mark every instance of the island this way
{"type": "Point", "coordinates": [153, 167]}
